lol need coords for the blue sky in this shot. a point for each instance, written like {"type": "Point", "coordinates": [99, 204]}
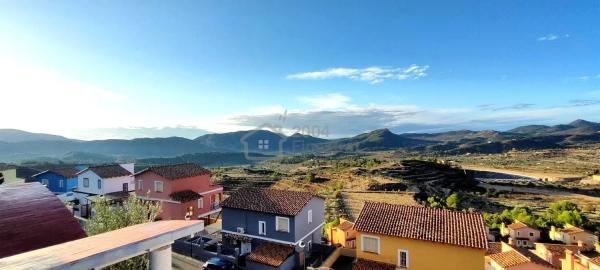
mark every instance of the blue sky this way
{"type": "Point", "coordinates": [122, 69]}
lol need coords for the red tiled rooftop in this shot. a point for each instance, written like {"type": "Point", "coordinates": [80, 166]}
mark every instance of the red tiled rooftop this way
{"type": "Point", "coordinates": [421, 223]}
{"type": "Point", "coordinates": [362, 264]}
{"type": "Point", "coordinates": [271, 254]}
{"type": "Point", "coordinates": [31, 217]}
{"type": "Point", "coordinates": [274, 201]}
{"type": "Point", "coordinates": [177, 171]}
{"type": "Point", "coordinates": [517, 225]}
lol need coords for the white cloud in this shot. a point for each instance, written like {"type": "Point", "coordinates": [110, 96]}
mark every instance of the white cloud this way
{"type": "Point", "coordinates": [372, 75]}
{"type": "Point", "coordinates": [327, 101]}
{"type": "Point", "coordinates": [551, 37]}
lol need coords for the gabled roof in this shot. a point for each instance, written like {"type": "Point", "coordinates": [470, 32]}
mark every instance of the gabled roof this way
{"type": "Point", "coordinates": [177, 171]}
{"type": "Point", "coordinates": [66, 172]}
{"type": "Point", "coordinates": [572, 230]}
{"type": "Point", "coordinates": [559, 249]}
{"type": "Point", "coordinates": [509, 258]}
{"type": "Point", "coordinates": [271, 254]}
{"type": "Point", "coordinates": [108, 171]}
{"type": "Point", "coordinates": [274, 201]}
{"type": "Point", "coordinates": [493, 248]}
{"type": "Point", "coordinates": [518, 225]}
{"type": "Point", "coordinates": [31, 217]}
{"type": "Point", "coordinates": [421, 223]}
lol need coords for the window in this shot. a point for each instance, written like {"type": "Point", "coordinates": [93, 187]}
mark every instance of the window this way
{"type": "Point", "coordinates": [262, 228]}
{"type": "Point", "coordinates": [402, 258]}
{"type": "Point", "coordinates": [158, 186]}
{"type": "Point", "coordinates": [369, 244]}
{"type": "Point", "coordinates": [200, 203]}
{"type": "Point", "coordinates": [61, 183]}
{"type": "Point", "coordinates": [518, 233]}
{"type": "Point", "coordinates": [309, 216]}
{"type": "Point", "coordinates": [530, 234]}
{"type": "Point", "coordinates": [140, 184]}
{"type": "Point", "coordinates": [45, 182]}
{"type": "Point", "coordinates": [309, 245]}
{"type": "Point", "coordinates": [86, 182]}
{"type": "Point", "coordinates": [99, 183]}
{"type": "Point", "coordinates": [282, 224]}
{"type": "Point", "coordinates": [263, 144]}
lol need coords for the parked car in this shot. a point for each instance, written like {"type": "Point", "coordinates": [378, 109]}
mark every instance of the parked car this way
{"type": "Point", "coordinates": [216, 263]}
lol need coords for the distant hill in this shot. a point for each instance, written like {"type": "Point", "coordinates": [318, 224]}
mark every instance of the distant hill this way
{"type": "Point", "coordinates": [579, 132]}
{"type": "Point", "coordinates": [380, 139]}
{"type": "Point", "coordinates": [211, 159]}
{"type": "Point", "coordinates": [15, 135]}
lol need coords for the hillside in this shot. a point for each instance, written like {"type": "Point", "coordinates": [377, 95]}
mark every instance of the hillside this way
{"type": "Point", "coordinates": [576, 133]}
{"type": "Point", "coordinates": [15, 135]}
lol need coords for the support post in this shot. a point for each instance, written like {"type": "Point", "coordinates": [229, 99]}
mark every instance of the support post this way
{"type": "Point", "coordinates": [160, 258]}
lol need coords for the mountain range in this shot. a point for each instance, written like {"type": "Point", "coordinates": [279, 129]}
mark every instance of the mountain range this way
{"type": "Point", "coordinates": [17, 145]}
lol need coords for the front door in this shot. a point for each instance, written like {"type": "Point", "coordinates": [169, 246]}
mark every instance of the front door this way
{"type": "Point", "coordinates": [125, 187]}
{"type": "Point", "coordinates": [246, 248]}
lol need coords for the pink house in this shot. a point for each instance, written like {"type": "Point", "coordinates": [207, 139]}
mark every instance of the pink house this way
{"type": "Point", "coordinates": [185, 190]}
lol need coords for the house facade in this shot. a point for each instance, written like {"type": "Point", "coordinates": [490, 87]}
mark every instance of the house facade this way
{"type": "Point", "coordinates": [342, 234]}
{"type": "Point", "coordinates": [185, 191]}
{"type": "Point", "coordinates": [113, 181]}
{"type": "Point", "coordinates": [8, 174]}
{"type": "Point", "coordinates": [58, 180]}
{"type": "Point", "coordinates": [523, 235]}
{"type": "Point", "coordinates": [417, 238]}
{"type": "Point", "coordinates": [253, 218]}
{"type": "Point", "coordinates": [572, 235]}
{"type": "Point", "coordinates": [589, 260]}
{"type": "Point", "coordinates": [553, 253]}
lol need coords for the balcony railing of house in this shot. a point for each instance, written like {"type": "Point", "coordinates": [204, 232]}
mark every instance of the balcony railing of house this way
{"type": "Point", "coordinates": [101, 250]}
{"type": "Point", "coordinates": [215, 205]}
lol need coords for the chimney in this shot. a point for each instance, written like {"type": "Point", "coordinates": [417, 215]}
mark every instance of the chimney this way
{"type": "Point", "coordinates": [597, 246]}
{"type": "Point", "coordinates": [580, 243]}
{"type": "Point", "coordinates": [569, 260]}
{"type": "Point", "coordinates": [552, 232]}
{"type": "Point", "coordinates": [510, 241]}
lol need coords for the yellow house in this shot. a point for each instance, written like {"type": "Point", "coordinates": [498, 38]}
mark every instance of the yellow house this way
{"type": "Point", "coordinates": [553, 253]}
{"type": "Point", "coordinates": [571, 235]}
{"type": "Point", "coordinates": [343, 234]}
{"type": "Point", "coordinates": [417, 238]}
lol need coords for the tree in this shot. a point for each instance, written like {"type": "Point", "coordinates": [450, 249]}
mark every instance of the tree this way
{"type": "Point", "coordinates": [564, 212]}
{"type": "Point", "coordinates": [452, 201]}
{"type": "Point", "coordinates": [108, 218]}
{"type": "Point", "coordinates": [310, 177]}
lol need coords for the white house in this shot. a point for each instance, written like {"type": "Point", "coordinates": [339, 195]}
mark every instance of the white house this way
{"type": "Point", "coordinates": [112, 181]}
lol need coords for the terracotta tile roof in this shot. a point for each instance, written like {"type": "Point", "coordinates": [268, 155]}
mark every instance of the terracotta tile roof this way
{"type": "Point", "coordinates": [534, 258]}
{"type": "Point", "coordinates": [572, 230]}
{"type": "Point", "coordinates": [108, 171]}
{"type": "Point", "coordinates": [177, 171]}
{"type": "Point", "coordinates": [420, 223]}
{"type": "Point", "coordinates": [595, 260]}
{"type": "Point", "coordinates": [346, 225]}
{"type": "Point", "coordinates": [509, 258]}
{"type": "Point", "coordinates": [517, 225]}
{"type": "Point", "coordinates": [559, 249]}
{"type": "Point", "coordinates": [493, 248]}
{"type": "Point", "coordinates": [275, 201]}
{"type": "Point", "coordinates": [362, 264]}
{"type": "Point", "coordinates": [31, 217]}
{"type": "Point", "coordinates": [271, 254]}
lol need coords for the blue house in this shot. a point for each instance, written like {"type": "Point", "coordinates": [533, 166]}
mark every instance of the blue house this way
{"type": "Point", "coordinates": [273, 227]}
{"type": "Point", "coordinates": [58, 180]}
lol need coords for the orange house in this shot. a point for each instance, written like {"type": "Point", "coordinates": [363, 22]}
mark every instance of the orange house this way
{"type": "Point", "coordinates": [582, 260]}
{"type": "Point", "coordinates": [343, 234]}
{"type": "Point", "coordinates": [185, 191]}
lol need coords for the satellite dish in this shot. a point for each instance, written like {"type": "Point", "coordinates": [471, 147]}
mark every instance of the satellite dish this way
{"type": "Point", "coordinates": [301, 244]}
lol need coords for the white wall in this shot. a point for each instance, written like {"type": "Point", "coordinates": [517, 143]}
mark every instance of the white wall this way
{"type": "Point", "coordinates": [109, 185]}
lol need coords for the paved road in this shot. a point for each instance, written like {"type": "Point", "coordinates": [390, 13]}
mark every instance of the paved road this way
{"type": "Point", "coordinates": [181, 262]}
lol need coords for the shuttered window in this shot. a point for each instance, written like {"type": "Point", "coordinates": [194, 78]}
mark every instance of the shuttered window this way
{"type": "Point", "coordinates": [282, 224]}
{"type": "Point", "coordinates": [370, 244]}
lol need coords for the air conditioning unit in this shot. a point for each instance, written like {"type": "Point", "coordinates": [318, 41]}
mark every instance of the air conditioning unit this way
{"type": "Point", "coordinates": [240, 230]}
